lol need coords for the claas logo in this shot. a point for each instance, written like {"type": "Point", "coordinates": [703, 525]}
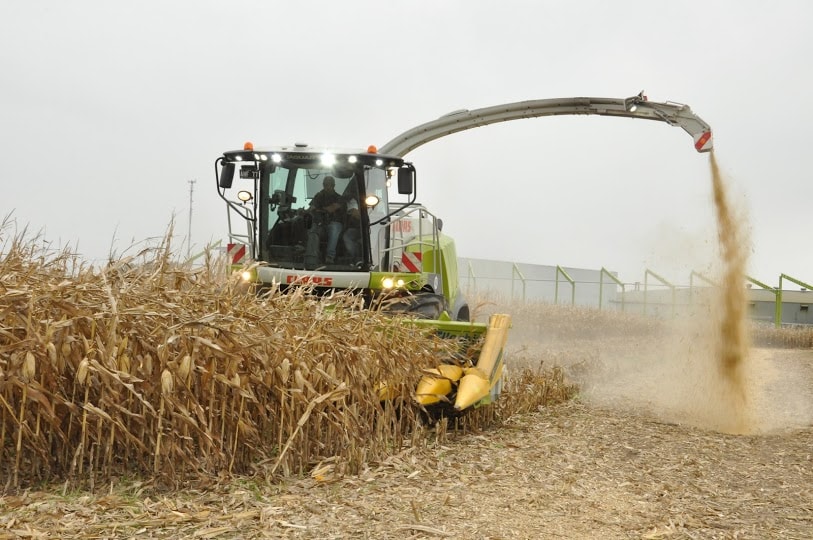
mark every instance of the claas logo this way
{"type": "Point", "coordinates": [325, 281]}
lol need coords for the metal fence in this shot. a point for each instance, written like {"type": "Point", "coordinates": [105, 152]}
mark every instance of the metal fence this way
{"type": "Point", "coordinates": [656, 295]}
{"type": "Point", "coordinates": [555, 284]}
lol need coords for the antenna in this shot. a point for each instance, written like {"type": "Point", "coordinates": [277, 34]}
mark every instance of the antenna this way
{"type": "Point", "coordinates": [189, 230]}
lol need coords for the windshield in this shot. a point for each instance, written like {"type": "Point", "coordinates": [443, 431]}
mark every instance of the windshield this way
{"type": "Point", "coordinates": [315, 218]}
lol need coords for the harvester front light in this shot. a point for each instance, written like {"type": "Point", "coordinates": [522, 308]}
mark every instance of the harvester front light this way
{"type": "Point", "coordinates": [389, 283]}
{"type": "Point", "coordinates": [244, 196]}
{"type": "Point", "coordinates": [371, 201]}
{"type": "Point", "coordinates": [352, 159]}
{"type": "Point", "coordinates": [276, 158]}
{"type": "Point", "coordinates": [246, 275]}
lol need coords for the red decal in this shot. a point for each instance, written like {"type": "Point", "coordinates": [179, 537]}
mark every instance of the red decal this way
{"type": "Point", "coordinates": [412, 260]}
{"type": "Point", "coordinates": [320, 281]}
{"type": "Point", "coordinates": [402, 226]}
{"type": "Point", "coordinates": [236, 252]}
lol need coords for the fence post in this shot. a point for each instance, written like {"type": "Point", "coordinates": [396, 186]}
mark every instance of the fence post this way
{"type": "Point", "coordinates": [778, 310]}
{"type": "Point", "coordinates": [649, 272]}
{"type": "Point", "coordinates": [515, 271]}
{"type": "Point", "coordinates": [561, 270]}
{"type": "Point", "coordinates": [777, 293]}
{"type": "Point", "coordinates": [692, 274]}
{"type": "Point", "coordinates": [471, 277]}
{"type": "Point", "coordinates": [601, 287]}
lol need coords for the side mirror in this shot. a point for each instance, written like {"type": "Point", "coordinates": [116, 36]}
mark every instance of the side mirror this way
{"type": "Point", "coordinates": [226, 175]}
{"type": "Point", "coordinates": [406, 181]}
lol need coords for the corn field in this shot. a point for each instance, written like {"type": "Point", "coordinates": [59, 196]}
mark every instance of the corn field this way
{"type": "Point", "coordinates": [148, 368]}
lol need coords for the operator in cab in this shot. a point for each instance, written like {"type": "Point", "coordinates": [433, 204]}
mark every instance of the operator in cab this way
{"type": "Point", "coordinates": [327, 209]}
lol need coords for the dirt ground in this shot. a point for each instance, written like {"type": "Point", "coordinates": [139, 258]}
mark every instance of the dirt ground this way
{"type": "Point", "coordinates": [623, 460]}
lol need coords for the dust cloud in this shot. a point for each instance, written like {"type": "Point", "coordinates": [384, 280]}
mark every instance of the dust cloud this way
{"type": "Point", "coordinates": [697, 368]}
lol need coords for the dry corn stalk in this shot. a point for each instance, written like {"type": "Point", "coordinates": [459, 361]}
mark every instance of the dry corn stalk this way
{"type": "Point", "coordinates": [153, 368]}
{"type": "Point", "coordinates": [145, 366]}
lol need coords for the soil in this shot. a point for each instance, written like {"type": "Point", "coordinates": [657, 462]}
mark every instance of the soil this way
{"type": "Point", "coordinates": [616, 462]}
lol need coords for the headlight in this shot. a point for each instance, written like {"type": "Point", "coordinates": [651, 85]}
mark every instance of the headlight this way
{"type": "Point", "coordinates": [246, 275]}
{"type": "Point", "coordinates": [328, 160]}
{"type": "Point", "coordinates": [392, 283]}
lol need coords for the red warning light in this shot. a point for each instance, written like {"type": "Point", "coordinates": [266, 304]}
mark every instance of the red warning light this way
{"type": "Point", "coordinates": [372, 149]}
{"type": "Point", "coordinates": [702, 141]}
{"type": "Point", "coordinates": [248, 146]}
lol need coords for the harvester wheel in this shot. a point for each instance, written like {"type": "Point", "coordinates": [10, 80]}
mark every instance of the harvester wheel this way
{"type": "Point", "coordinates": [463, 314]}
{"type": "Point", "coordinates": [425, 305]}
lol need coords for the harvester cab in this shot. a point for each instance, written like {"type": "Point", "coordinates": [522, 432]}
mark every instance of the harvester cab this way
{"type": "Point", "coordinates": [304, 216]}
{"type": "Point", "coordinates": [323, 218]}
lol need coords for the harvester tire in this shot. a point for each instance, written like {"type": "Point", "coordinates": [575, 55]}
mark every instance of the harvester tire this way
{"type": "Point", "coordinates": [425, 305]}
{"type": "Point", "coordinates": [463, 314]}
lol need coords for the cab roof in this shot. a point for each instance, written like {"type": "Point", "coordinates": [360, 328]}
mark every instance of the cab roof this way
{"type": "Point", "coordinates": [302, 154]}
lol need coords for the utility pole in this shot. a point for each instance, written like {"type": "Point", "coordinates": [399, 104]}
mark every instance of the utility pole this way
{"type": "Point", "coordinates": [189, 229]}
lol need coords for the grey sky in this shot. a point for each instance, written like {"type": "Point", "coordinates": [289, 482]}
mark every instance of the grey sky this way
{"type": "Point", "coordinates": [110, 108]}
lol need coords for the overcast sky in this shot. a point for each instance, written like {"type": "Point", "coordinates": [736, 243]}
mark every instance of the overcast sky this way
{"type": "Point", "coordinates": [109, 109]}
